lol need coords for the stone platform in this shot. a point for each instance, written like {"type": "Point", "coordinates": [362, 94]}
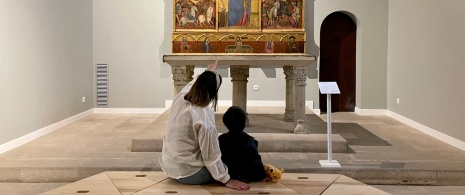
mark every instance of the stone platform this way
{"type": "Point", "coordinates": [139, 183]}
{"type": "Point", "coordinates": [272, 134]}
{"type": "Point", "coordinates": [381, 150]}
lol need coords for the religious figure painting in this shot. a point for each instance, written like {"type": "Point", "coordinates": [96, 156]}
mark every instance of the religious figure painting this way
{"type": "Point", "coordinates": [238, 15]}
{"type": "Point", "coordinates": [291, 46]}
{"type": "Point", "coordinates": [227, 42]}
{"type": "Point", "coordinates": [194, 15]}
{"type": "Point", "coordinates": [283, 15]}
{"type": "Point", "coordinates": [269, 46]}
{"type": "Point", "coordinates": [207, 46]}
{"type": "Point", "coordinates": [184, 47]}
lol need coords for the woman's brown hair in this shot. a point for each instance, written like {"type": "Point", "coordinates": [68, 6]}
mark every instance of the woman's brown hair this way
{"type": "Point", "coordinates": [205, 90]}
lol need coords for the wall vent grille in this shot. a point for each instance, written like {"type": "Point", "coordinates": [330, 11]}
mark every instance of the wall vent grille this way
{"type": "Point", "coordinates": [102, 85]}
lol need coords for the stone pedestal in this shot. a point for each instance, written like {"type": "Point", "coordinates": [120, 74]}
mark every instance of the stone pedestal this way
{"type": "Point", "coordinates": [181, 76]}
{"type": "Point", "coordinates": [299, 84]}
{"type": "Point", "coordinates": [289, 110]}
{"type": "Point", "coordinates": [239, 75]}
{"type": "Point", "coordinates": [294, 66]}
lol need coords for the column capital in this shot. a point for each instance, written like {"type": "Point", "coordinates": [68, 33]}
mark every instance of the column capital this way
{"type": "Point", "coordinates": [182, 74]}
{"type": "Point", "coordinates": [289, 72]}
{"type": "Point", "coordinates": [240, 73]}
{"type": "Point", "coordinates": [300, 75]}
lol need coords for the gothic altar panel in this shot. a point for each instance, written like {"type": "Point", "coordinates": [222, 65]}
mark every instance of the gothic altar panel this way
{"type": "Point", "coordinates": [239, 26]}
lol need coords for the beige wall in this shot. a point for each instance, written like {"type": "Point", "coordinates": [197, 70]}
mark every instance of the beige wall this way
{"type": "Point", "coordinates": [130, 37]}
{"type": "Point", "coordinates": [45, 63]}
{"type": "Point", "coordinates": [426, 63]}
{"type": "Point", "coordinates": [371, 17]}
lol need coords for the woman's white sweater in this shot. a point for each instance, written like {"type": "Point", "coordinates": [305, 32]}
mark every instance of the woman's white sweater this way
{"type": "Point", "coordinates": [191, 141]}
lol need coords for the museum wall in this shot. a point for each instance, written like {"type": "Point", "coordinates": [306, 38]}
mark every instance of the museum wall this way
{"type": "Point", "coordinates": [48, 51]}
{"type": "Point", "coordinates": [133, 35]}
{"type": "Point", "coordinates": [46, 63]}
{"type": "Point", "coordinates": [128, 35]}
{"type": "Point", "coordinates": [426, 63]}
{"type": "Point", "coordinates": [371, 18]}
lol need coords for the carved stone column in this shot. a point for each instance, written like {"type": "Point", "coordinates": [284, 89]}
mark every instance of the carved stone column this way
{"type": "Point", "coordinates": [300, 83]}
{"type": "Point", "coordinates": [239, 76]}
{"type": "Point", "coordinates": [290, 105]}
{"type": "Point", "coordinates": [181, 76]}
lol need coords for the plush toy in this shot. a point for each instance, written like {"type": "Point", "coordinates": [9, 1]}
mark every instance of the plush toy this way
{"type": "Point", "coordinates": [272, 173]}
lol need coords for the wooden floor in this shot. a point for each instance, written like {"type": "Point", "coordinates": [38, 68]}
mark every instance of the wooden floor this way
{"type": "Point", "coordinates": [157, 183]}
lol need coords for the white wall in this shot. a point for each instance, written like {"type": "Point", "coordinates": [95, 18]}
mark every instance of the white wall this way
{"type": "Point", "coordinates": [128, 35]}
{"type": "Point", "coordinates": [371, 17]}
{"type": "Point", "coordinates": [426, 66]}
{"type": "Point", "coordinates": [45, 63]}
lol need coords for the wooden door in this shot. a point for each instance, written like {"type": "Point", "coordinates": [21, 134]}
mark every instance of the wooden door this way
{"type": "Point", "coordinates": [337, 60]}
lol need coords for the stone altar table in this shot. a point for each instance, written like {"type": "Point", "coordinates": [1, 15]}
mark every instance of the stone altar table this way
{"type": "Point", "coordinates": [294, 66]}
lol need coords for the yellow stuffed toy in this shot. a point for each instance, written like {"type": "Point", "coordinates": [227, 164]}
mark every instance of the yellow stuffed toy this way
{"type": "Point", "coordinates": [272, 173]}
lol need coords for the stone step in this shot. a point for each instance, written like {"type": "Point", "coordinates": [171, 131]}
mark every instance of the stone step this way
{"type": "Point", "coordinates": [386, 176]}
{"type": "Point", "coordinates": [151, 139]}
{"type": "Point", "coordinates": [267, 142]}
{"type": "Point", "coordinates": [135, 182]}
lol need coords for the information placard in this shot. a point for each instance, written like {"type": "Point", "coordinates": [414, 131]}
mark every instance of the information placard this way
{"type": "Point", "coordinates": [328, 88]}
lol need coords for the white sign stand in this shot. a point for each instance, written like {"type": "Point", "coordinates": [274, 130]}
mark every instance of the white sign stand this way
{"type": "Point", "coordinates": [329, 88]}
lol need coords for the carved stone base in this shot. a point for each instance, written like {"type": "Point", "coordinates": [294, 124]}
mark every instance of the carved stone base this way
{"type": "Point", "coordinates": [289, 115]}
{"type": "Point", "coordinates": [301, 127]}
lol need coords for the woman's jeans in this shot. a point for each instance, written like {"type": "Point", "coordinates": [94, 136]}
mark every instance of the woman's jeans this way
{"type": "Point", "coordinates": [203, 176]}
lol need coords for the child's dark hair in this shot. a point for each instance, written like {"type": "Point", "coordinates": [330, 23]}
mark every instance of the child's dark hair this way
{"type": "Point", "coordinates": [205, 90]}
{"type": "Point", "coordinates": [234, 119]}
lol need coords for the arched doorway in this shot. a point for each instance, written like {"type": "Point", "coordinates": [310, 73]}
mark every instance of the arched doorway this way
{"type": "Point", "coordinates": [337, 60]}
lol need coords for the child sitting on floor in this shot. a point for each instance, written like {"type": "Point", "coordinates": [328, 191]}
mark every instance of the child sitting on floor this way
{"type": "Point", "coordinates": [239, 151]}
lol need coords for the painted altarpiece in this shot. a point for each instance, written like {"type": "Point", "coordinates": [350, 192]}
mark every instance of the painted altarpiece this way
{"type": "Point", "coordinates": [238, 26]}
